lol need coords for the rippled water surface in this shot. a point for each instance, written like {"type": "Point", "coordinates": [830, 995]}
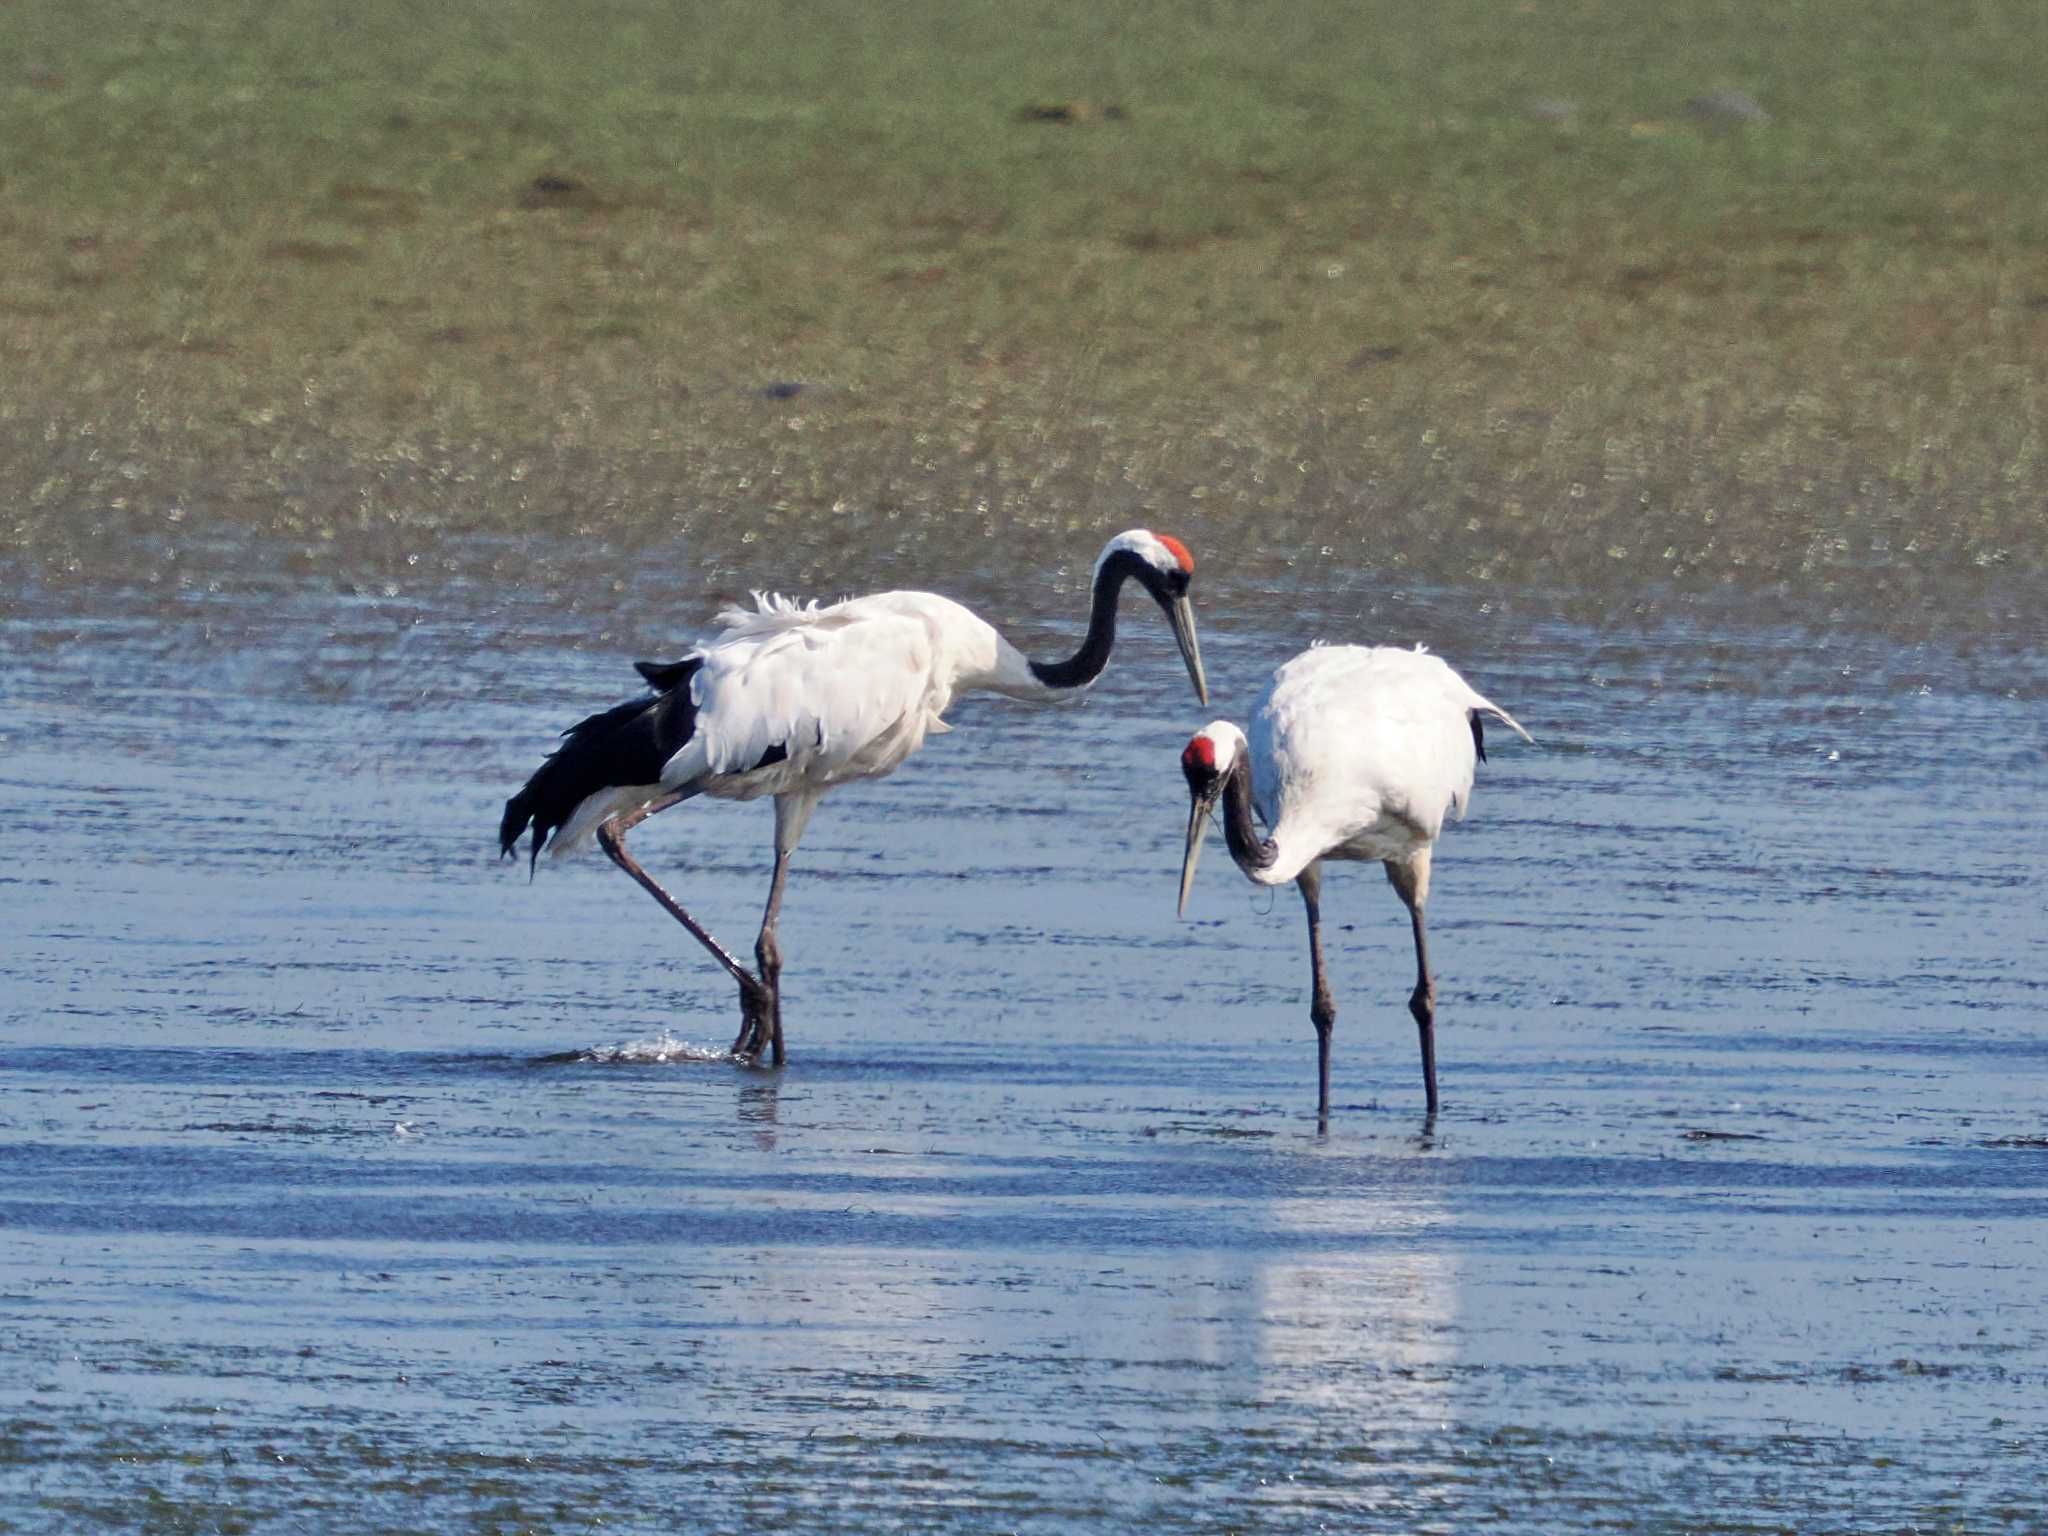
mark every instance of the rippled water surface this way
{"type": "Point", "coordinates": [348, 1180]}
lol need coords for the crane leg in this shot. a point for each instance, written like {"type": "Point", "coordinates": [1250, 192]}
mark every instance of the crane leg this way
{"type": "Point", "coordinates": [792, 814]}
{"type": "Point", "coordinates": [1411, 884]}
{"type": "Point", "coordinates": [768, 955]}
{"type": "Point", "coordinates": [1322, 1010]}
{"type": "Point", "coordinates": [755, 997]}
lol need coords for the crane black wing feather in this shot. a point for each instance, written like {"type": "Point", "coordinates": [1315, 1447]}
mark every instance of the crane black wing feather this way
{"type": "Point", "coordinates": [625, 745]}
{"type": "Point", "coordinates": [664, 675]}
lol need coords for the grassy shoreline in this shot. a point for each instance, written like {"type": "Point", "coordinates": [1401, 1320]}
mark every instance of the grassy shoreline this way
{"type": "Point", "coordinates": [1490, 296]}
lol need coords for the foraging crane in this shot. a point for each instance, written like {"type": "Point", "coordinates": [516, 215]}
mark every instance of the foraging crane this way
{"type": "Point", "coordinates": [1356, 752]}
{"type": "Point", "coordinates": [789, 701]}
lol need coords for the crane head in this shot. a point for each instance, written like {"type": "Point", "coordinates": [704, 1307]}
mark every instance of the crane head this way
{"type": "Point", "coordinates": [1161, 564]}
{"type": "Point", "coordinates": [1206, 762]}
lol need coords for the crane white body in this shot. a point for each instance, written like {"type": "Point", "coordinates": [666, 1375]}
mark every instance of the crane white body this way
{"type": "Point", "coordinates": [847, 690]}
{"type": "Point", "coordinates": [1361, 752]}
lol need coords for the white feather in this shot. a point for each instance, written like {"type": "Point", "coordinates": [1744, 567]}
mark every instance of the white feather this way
{"type": "Point", "coordinates": [847, 691]}
{"type": "Point", "coordinates": [1360, 752]}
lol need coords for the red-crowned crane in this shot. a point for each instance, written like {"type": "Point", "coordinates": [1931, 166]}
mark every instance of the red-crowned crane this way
{"type": "Point", "coordinates": [789, 701]}
{"type": "Point", "coordinates": [1356, 752]}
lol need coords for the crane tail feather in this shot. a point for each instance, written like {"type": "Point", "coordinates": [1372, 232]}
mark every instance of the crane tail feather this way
{"type": "Point", "coordinates": [620, 748]}
{"type": "Point", "coordinates": [519, 815]}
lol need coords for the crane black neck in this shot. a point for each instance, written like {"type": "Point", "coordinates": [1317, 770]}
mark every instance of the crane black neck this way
{"type": "Point", "coordinates": [1087, 664]}
{"type": "Point", "coordinates": [1251, 851]}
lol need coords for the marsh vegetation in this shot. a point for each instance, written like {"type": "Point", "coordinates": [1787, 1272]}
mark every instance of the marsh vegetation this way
{"type": "Point", "coordinates": [1566, 295]}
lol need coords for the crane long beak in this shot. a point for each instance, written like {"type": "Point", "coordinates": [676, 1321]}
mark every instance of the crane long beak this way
{"type": "Point", "coordinates": [1198, 828]}
{"type": "Point", "coordinates": [1181, 614]}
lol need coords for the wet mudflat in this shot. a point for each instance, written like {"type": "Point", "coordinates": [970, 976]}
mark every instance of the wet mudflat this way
{"type": "Point", "coordinates": [350, 1181]}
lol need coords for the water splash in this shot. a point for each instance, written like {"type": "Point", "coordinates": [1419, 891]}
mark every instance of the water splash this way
{"type": "Point", "coordinates": [657, 1050]}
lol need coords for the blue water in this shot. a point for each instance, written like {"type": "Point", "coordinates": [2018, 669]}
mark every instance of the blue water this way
{"type": "Point", "coordinates": [349, 1181]}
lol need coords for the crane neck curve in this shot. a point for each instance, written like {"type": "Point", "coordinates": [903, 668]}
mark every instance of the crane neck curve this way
{"type": "Point", "coordinates": [1088, 663]}
{"type": "Point", "coordinates": [1254, 854]}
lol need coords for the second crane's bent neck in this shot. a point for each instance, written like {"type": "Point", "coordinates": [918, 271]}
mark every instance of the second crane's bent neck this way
{"type": "Point", "coordinates": [1254, 854]}
{"type": "Point", "coordinates": [1087, 663]}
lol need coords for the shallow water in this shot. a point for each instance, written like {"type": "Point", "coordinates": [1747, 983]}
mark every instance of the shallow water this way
{"type": "Point", "coordinates": [350, 1180]}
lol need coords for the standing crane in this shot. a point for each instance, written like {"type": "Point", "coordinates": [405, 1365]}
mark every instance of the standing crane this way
{"type": "Point", "coordinates": [1356, 752]}
{"type": "Point", "coordinates": [792, 700]}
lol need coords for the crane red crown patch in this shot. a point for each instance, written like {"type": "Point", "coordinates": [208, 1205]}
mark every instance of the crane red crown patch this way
{"type": "Point", "coordinates": [1201, 750]}
{"type": "Point", "coordinates": [1178, 550]}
